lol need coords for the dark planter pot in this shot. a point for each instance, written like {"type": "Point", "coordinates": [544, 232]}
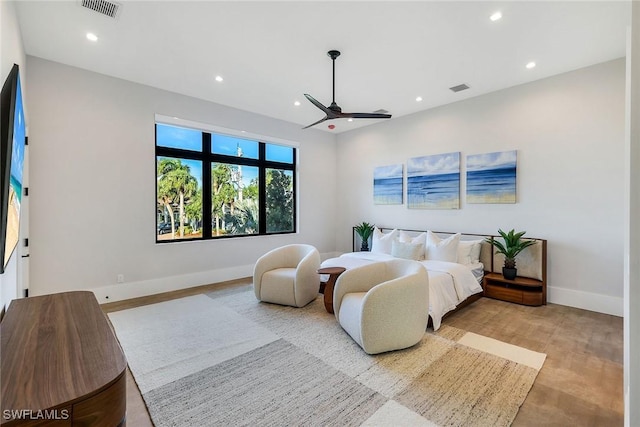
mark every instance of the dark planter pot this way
{"type": "Point", "coordinates": [365, 246]}
{"type": "Point", "coordinates": [509, 273]}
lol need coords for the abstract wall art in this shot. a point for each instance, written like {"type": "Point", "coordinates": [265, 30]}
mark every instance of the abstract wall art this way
{"type": "Point", "coordinates": [491, 177]}
{"type": "Point", "coordinates": [388, 185]}
{"type": "Point", "coordinates": [433, 182]}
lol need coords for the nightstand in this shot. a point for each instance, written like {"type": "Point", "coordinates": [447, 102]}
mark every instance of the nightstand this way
{"type": "Point", "coordinates": [521, 290]}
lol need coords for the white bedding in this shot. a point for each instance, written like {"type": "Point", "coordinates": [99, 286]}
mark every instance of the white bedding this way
{"type": "Point", "coordinates": [449, 283]}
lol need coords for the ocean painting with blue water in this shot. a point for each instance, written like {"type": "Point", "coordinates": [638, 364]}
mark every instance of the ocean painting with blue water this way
{"type": "Point", "coordinates": [433, 182]}
{"type": "Point", "coordinates": [491, 177]}
{"type": "Point", "coordinates": [387, 185]}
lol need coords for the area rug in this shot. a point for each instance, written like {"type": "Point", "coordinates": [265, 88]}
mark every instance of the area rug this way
{"type": "Point", "coordinates": [227, 359]}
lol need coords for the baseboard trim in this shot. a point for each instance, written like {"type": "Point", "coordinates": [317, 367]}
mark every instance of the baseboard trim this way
{"type": "Point", "coordinates": [124, 291]}
{"type": "Point", "coordinates": [586, 300]}
{"type": "Point", "coordinates": [143, 288]}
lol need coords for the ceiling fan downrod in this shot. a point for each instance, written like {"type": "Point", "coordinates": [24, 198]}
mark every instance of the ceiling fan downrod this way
{"type": "Point", "coordinates": [333, 54]}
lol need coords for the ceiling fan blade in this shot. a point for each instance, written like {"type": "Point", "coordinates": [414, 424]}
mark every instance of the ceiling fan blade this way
{"type": "Point", "coordinates": [319, 121]}
{"type": "Point", "coordinates": [317, 103]}
{"type": "Point", "coordinates": [367, 115]}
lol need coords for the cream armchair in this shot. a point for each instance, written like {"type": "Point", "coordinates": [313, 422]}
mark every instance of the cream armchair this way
{"type": "Point", "coordinates": [288, 275]}
{"type": "Point", "coordinates": [383, 306]}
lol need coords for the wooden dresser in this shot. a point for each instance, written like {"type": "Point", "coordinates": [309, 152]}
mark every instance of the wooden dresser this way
{"type": "Point", "coordinates": [61, 364]}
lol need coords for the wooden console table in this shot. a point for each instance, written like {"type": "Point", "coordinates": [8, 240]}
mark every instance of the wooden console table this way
{"type": "Point", "coordinates": [61, 364]}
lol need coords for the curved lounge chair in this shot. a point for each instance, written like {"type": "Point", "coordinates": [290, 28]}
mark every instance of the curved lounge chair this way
{"type": "Point", "coordinates": [383, 306]}
{"type": "Point", "coordinates": [288, 275]}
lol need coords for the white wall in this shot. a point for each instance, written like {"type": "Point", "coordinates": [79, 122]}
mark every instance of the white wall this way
{"type": "Point", "coordinates": [93, 187]}
{"type": "Point", "coordinates": [632, 226]}
{"type": "Point", "coordinates": [12, 52]}
{"type": "Point", "coordinates": [569, 133]}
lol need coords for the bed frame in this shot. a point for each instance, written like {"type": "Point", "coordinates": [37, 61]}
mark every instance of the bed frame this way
{"type": "Point", "coordinates": [532, 265]}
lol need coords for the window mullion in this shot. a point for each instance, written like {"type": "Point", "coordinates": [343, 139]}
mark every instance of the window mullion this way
{"type": "Point", "coordinates": [206, 186]}
{"type": "Point", "coordinates": [262, 190]}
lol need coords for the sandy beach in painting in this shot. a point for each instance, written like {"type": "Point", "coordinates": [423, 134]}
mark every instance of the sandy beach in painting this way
{"type": "Point", "coordinates": [13, 224]}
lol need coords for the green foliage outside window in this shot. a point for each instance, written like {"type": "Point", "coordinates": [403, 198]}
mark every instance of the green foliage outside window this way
{"type": "Point", "coordinates": [233, 204]}
{"type": "Point", "coordinates": [279, 201]}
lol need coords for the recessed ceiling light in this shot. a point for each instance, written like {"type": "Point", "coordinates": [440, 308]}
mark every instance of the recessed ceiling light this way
{"type": "Point", "coordinates": [92, 37]}
{"type": "Point", "coordinates": [530, 65]}
{"type": "Point", "coordinates": [297, 103]}
{"type": "Point", "coordinates": [219, 78]}
{"type": "Point", "coordinates": [419, 99]}
{"type": "Point", "coordinates": [496, 16]}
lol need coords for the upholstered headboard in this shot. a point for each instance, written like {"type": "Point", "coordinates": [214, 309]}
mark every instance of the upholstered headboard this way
{"type": "Point", "coordinates": [531, 262]}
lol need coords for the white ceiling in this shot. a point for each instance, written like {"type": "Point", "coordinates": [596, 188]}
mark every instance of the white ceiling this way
{"type": "Point", "coordinates": [271, 53]}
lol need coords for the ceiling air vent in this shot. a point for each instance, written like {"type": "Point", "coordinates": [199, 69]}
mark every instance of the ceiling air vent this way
{"type": "Point", "coordinates": [459, 88]}
{"type": "Point", "coordinates": [381, 111]}
{"type": "Point", "coordinates": [108, 8]}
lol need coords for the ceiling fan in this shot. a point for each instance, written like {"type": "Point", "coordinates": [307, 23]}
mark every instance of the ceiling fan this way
{"type": "Point", "coordinates": [334, 111]}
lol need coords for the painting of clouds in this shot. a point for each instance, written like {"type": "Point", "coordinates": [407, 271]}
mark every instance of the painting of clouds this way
{"type": "Point", "coordinates": [491, 177]}
{"type": "Point", "coordinates": [387, 185]}
{"type": "Point", "coordinates": [433, 182]}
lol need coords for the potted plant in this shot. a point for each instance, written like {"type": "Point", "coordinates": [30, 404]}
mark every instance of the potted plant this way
{"type": "Point", "coordinates": [513, 245]}
{"type": "Point", "coordinates": [364, 230]}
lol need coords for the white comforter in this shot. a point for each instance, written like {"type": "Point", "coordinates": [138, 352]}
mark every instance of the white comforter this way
{"type": "Point", "coordinates": [449, 283]}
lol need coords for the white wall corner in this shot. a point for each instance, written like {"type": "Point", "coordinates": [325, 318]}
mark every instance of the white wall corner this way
{"type": "Point", "coordinates": [586, 300]}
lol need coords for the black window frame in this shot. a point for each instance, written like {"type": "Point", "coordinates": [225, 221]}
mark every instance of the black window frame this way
{"type": "Point", "coordinates": [207, 157]}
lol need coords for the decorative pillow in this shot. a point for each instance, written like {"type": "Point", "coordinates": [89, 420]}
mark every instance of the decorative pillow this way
{"type": "Point", "coordinates": [469, 251]}
{"type": "Point", "coordinates": [381, 242]}
{"type": "Point", "coordinates": [475, 252]}
{"type": "Point", "coordinates": [442, 249]}
{"type": "Point", "coordinates": [421, 238]}
{"type": "Point", "coordinates": [414, 251]}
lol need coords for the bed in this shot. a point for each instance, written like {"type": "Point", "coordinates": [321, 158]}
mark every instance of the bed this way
{"type": "Point", "coordinates": [454, 264]}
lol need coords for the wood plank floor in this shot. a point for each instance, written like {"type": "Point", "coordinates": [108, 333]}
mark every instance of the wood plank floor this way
{"type": "Point", "coordinates": [580, 383]}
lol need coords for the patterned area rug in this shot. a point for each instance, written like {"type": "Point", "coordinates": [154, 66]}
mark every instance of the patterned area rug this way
{"type": "Point", "coordinates": [227, 359]}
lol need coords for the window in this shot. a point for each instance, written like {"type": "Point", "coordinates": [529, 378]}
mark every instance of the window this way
{"type": "Point", "coordinates": [211, 185]}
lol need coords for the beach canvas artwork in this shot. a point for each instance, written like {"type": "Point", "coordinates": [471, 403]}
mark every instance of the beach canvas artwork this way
{"type": "Point", "coordinates": [388, 185]}
{"type": "Point", "coordinates": [491, 177]}
{"type": "Point", "coordinates": [433, 182]}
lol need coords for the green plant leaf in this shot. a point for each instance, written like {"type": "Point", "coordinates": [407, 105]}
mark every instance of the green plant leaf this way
{"type": "Point", "coordinates": [364, 230]}
{"type": "Point", "coordinates": [513, 244]}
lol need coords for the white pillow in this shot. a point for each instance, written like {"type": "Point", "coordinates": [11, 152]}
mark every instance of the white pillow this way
{"type": "Point", "coordinates": [414, 251]}
{"type": "Point", "coordinates": [442, 249]}
{"type": "Point", "coordinates": [381, 242]}
{"type": "Point", "coordinates": [421, 238]}
{"type": "Point", "coordinates": [469, 251]}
